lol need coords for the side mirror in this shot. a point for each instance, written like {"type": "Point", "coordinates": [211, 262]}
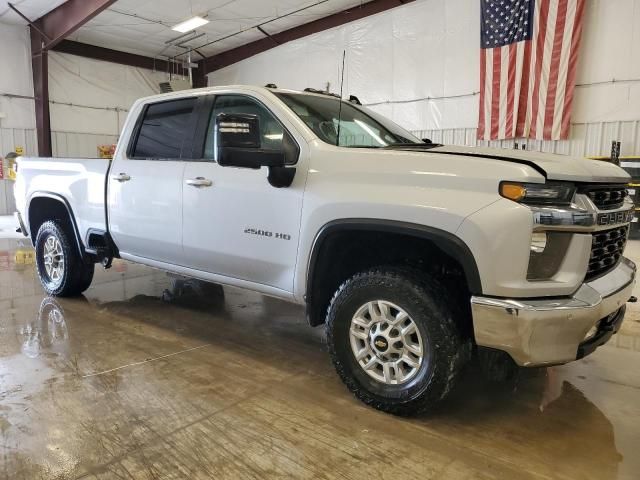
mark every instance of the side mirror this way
{"type": "Point", "coordinates": [238, 130]}
{"type": "Point", "coordinates": [238, 143]}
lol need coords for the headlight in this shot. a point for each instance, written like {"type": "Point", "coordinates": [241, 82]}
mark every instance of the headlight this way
{"type": "Point", "coordinates": [538, 193]}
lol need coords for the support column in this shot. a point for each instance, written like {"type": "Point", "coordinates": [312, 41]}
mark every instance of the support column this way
{"type": "Point", "coordinates": [40, 69]}
{"type": "Point", "coordinates": [200, 78]}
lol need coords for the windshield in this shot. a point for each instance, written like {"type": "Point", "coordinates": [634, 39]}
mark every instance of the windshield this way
{"type": "Point", "coordinates": [357, 128]}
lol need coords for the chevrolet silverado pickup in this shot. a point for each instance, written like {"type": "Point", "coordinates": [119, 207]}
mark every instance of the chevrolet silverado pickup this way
{"type": "Point", "coordinates": [414, 255]}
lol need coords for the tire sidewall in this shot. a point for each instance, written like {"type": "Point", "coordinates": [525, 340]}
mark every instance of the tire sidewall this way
{"type": "Point", "coordinates": [46, 230]}
{"type": "Point", "coordinates": [418, 302]}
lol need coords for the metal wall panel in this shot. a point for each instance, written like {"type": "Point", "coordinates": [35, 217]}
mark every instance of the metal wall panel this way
{"type": "Point", "coordinates": [83, 145]}
{"type": "Point", "coordinates": [587, 139]}
{"type": "Point", "coordinates": [10, 138]}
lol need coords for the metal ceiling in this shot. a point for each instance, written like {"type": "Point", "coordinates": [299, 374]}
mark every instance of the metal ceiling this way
{"type": "Point", "coordinates": [33, 9]}
{"type": "Point", "coordinates": [144, 26]}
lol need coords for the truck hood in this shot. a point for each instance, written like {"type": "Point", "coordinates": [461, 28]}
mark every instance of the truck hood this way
{"type": "Point", "coordinates": [553, 167]}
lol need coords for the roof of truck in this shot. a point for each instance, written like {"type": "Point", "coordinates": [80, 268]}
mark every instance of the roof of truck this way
{"type": "Point", "coordinates": [224, 88]}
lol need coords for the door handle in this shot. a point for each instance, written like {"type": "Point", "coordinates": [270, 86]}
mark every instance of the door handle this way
{"type": "Point", "coordinates": [121, 177]}
{"type": "Point", "coordinates": [199, 182]}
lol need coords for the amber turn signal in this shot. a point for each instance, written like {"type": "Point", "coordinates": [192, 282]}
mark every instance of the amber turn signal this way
{"type": "Point", "coordinates": [513, 191]}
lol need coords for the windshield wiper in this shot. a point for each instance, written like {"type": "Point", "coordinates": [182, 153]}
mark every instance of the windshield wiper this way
{"type": "Point", "coordinates": [421, 146]}
{"type": "Point", "coordinates": [361, 146]}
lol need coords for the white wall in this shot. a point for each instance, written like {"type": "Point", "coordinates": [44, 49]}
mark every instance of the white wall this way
{"type": "Point", "coordinates": [16, 78]}
{"type": "Point", "coordinates": [90, 100]}
{"type": "Point", "coordinates": [17, 125]}
{"type": "Point", "coordinates": [430, 49]}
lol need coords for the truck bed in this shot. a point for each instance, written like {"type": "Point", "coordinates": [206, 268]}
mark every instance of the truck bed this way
{"type": "Point", "coordinates": [80, 182]}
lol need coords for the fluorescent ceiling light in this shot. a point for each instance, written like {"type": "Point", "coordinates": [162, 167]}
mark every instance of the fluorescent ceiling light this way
{"type": "Point", "coordinates": [190, 24]}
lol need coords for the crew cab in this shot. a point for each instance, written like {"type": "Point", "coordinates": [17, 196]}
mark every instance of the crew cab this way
{"type": "Point", "coordinates": [414, 255]}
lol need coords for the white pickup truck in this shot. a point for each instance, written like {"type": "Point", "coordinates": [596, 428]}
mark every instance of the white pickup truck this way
{"type": "Point", "coordinates": [415, 255]}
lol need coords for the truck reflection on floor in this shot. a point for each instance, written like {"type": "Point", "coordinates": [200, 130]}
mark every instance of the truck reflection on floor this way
{"type": "Point", "coordinates": [48, 330]}
{"type": "Point", "coordinates": [191, 292]}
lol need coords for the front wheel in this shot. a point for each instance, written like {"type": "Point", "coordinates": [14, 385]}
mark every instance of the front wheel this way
{"type": "Point", "coordinates": [61, 269]}
{"type": "Point", "coordinates": [395, 339]}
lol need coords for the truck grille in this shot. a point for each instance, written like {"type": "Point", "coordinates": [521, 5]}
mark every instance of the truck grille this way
{"type": "Point", "coordinates": [606, 251]}
{"type": "Point", "coordinates": [607, 197]}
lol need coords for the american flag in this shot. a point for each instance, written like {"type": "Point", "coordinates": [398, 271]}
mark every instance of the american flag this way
{"type": "Point", "coordinates": [528, 59]}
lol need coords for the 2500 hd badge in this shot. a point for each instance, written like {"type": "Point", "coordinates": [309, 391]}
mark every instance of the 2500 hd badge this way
{"type": "Point", "coordinates": [266, 233]}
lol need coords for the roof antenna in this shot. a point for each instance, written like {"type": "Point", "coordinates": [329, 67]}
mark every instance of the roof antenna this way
{"type": "Point", "coordinates": [344, 53]}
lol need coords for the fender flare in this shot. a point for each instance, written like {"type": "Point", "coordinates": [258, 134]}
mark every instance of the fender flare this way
{"type": "Point", "coordinates": [72, 218]}
{"type": "Point", "coordinates": [449, 243]}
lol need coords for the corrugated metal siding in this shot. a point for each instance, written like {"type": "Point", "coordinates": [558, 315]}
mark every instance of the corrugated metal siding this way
{"type": "Point", "coordinates": [587, 139]}
{"type": "Point", "coordinates": [83, 145]}
{"type": "Point", "coordinates": [10, 138]}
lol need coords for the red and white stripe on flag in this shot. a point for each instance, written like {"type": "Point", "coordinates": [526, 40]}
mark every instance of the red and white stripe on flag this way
{"type": "Point", "coordinates": [526, 87]}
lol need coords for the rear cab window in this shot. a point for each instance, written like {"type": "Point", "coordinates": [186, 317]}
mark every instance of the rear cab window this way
{"type": "Point", "coordinates": [163, 130]}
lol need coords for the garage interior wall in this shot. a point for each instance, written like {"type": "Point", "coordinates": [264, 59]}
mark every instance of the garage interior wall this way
{"type": "Point", "coordinates": [418, 64]}
{"type": "Point", "coordinates": [17, 116]}
{"type": "Point", "coordinates": [90, 100]}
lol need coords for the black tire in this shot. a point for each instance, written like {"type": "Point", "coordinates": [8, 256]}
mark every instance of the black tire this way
{"type": "Point", "coordinates": [75, 277]}
{"type": "Point", "coordinates": [436, 317]}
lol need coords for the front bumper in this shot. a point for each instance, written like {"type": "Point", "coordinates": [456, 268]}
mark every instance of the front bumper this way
{"type": "Point", "coordinates": [548, 331]}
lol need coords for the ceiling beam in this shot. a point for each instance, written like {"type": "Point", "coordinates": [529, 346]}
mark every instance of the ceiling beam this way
{"type": "Point", "coordinates": [65, 19]}
{"type": "Point", "coordinates": [234, 55]}
{"type": "Point", "coordinates": [47, 32]}
{"type": "Point", "coordinates": [116, 56]}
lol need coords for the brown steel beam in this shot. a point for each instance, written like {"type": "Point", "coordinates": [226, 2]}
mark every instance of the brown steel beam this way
{"type": "Point", "coordinates": [65, 19]}
{"type": "Point", "coordinates": [47, 32]}
{"type": "Point", "coordinates": [200, 78]}
{"type": "Point", "coordinates": [40, 69]}
{"type": "Point", "coordinates": [28, 20]}
{"type": "Point", "coordinates": [234, 55]}
{"type": "Point", "coordinates": [116, 56]}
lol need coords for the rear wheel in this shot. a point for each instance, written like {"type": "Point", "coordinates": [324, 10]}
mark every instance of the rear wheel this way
{"type": "Point", "coordinates": [394, 339]}
{"type": "Point", "coordinates": [60, 267]}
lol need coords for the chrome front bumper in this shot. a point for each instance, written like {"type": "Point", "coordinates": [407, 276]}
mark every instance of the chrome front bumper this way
{"type": "Point", "coordinates": [548, 331]}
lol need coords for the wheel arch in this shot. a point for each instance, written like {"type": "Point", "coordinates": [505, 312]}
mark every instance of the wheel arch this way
{"type": "Point", "coordinates": [450, 244]}
{"type": "Point", "coordinates": [52, 205]}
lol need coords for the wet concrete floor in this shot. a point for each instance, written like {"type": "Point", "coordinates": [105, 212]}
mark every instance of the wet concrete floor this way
{"type": "Point", "coordinates": [126, 383]}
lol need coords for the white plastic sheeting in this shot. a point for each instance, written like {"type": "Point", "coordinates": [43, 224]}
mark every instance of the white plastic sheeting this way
{"type": "Point", "coordinates": [425, 49]}
{"type": "Point", "coordinates": [90, 100]}
{"type": "Point", "coordinates": [16, 78]}
{"type": "Point", "coordinates": [17, 118]}
{"type": "Point", "coordinates": [418, 64]}
{"type": "Point", "coordinates": [101, 94]}
{"type": "Point", "coordinates": [91, 96]}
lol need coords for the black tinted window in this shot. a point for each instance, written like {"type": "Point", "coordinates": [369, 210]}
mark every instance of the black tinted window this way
{"type": "Point", "coordinates": [164, 128]}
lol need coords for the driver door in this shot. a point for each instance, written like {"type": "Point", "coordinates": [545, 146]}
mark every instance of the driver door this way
{"type": "Point", "coordinates": [235, 224]}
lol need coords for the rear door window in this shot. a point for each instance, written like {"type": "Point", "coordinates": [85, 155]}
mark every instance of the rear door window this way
{"type": "Point", "coordinates": [165, 127]}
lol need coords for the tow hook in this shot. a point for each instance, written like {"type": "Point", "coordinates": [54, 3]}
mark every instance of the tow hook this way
{"type": "Point", "coordinates": [632, 299]}
{"type": "Point", "coordinates": [106, 262]}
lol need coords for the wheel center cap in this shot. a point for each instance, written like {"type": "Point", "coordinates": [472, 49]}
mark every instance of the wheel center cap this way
{"type": "Point", "coordinates": [381, 343]}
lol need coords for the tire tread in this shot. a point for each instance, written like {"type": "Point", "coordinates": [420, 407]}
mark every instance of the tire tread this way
{"type": "Point", "coordinates": [451, 342]}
